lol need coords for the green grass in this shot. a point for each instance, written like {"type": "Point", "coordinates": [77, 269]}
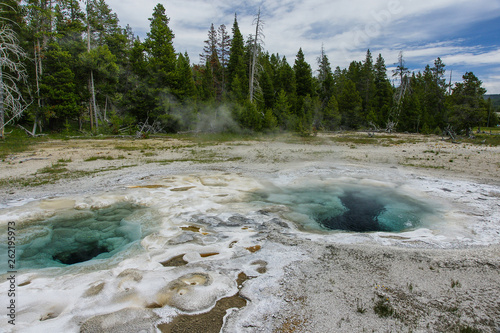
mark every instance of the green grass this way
{"type": "Point", "coordinates": [54, 169]}
{"type": "Point", "coordinates": [355, 139]}
{"type": "Point", "coordinates": [493, 130]}
{"type": "Point", "coordinates": [95, 158]}
{"type": "Point", "coordinates": [485, 139]}
{"type": "Point", "coordinates": [422, 166]}
{"type": "Point", "coordinates": [51, 175]}
{"type": "Point", "coordinates": [385, 140]}
{"type": "Point", "coordinates": [129, 148]}
{"type": "Point", "coordinates": [360, 307]}
{"type": "Point", "coordinates": [383, 308]}
{"type": "Point", "coordinates": [16, 142]}
{"type": "Point", "coordinates": [199, 160]}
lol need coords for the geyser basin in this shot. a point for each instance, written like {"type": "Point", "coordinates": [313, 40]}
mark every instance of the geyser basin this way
{"type": "Point", "coordinates": [75, 236]}
{"type": "Point", "coordinates": [346, 207]}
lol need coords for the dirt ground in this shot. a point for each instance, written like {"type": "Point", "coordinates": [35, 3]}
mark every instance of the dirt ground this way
{"type": "Point", "coordinates": [55, 162]}
{"type": "Point", "coordinates": [340, 287]}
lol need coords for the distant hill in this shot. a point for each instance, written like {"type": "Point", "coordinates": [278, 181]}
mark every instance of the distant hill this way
{"type": "Point", "coordinates": [495, 99]}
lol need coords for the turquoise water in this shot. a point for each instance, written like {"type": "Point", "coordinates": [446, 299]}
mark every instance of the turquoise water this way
{"type": "Point", "coordinates": [76, 236]}
{"type": "Point", "coordinates": [349, 208]}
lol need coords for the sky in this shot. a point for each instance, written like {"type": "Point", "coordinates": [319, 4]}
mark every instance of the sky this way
{"type": "Point", "coordinates": [465, 34]}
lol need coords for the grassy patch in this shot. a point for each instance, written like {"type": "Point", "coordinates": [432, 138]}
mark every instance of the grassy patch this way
{"type": "Point", "coordinates": [128, 148]}
{"type": "Point", "coordinates": [53, 174]}
{"type": "Point", "coordinates": [54, 169]}
{"type": "Point", "coordinates": [422, 166]}
{"type": "Point", "coordinates": [385, 140]}
{"type": "Point", "coordinates": [383, 307]}
{"type": "Point", "coordinates": [200, 160]}
{"type": "Point", "coordinates": [16, 142]}
{"type": "Point", "coordinates": [360, 308]}
{"type": "Point", "coordinates": [355, 139]}
{"type": "Point", "coordinates": [485, 140]}
{"type": "Point", "coordinates": [95, 158]}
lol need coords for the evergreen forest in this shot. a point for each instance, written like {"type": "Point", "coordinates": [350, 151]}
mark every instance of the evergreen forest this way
{"type": "Point", "coordinates": [69, 64]}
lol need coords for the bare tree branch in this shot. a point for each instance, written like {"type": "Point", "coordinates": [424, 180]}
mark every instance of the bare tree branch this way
{"type": "Point", "coordinates": [12, 73]}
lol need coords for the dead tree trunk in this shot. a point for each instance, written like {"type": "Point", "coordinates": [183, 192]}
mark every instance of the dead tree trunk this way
{"type": "Point", "coordinates": [38, 75]}
{"type": "Point", "coordinates": [91, 80]}
{"type": "Point", "coordinates": [253, 66]}
{"type": "Point", "coordinates": [2, 112]}
{"type": "Point", "coordinates": [402, 72]}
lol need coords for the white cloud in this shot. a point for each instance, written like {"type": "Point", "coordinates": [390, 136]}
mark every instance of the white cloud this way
{"type": "Point", "coordinates": [492, 84]}
{"type": "Point", "coordinates": [469, 58]}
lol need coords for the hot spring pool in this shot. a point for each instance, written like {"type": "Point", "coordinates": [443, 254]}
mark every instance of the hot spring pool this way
{"type": "Point", "coordinates": [346, 207]}
{"type": "Point", "coordinates": [77, 236]}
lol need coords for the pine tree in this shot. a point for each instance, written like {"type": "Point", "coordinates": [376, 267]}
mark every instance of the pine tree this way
{"type": "Point", "coordinates": [303, 75]}
{"type": "Point", "coordinates": [138, 61]}
{"type": "Point", "coordinates": [438, 91]}
{"type": "Point", "coordinates": [304, 88]}
{"type": "Point", "coordinates": [354, 73]}
{"type": "Point", "coordinates": [69, 26]}
{"type": "Point", "coordinates": [103, 22]}
{"type": "Point", "coordinates": [69, 19]}
{"type": "Point", "coordinates": [469, 107]}
{"type": "Point", "coordinates": [275, 63]}
{"type": "Point", "coordinates": [208, 89]}
{"type": "Point", "coordinates": [210, 56]}
{"type": "Point", "coordinates": [286, 78]}
{"type": "Point", "coordinates": [382, 98]}
{"type": "Point", "coordinates": [224, 45]}
{"type": "Point", "coordinates": [139, 98]}
{"type": "Point", "coordinates": [211, 46]}
{"type": "Point", "coordinates": [236, 66]}
{"type": "Point", "coordinates": [331, 115]}
{"type": "Point", "coordinates": [325, 77]}
{"type": "Point", "coordinates": [184, 88]}
{"type": "Point", "coordinates": [266, 83]}
{"type": "Point", "coordinates": [367, 87]}
{"type": "Point", "coordinates": [159, 45]}
{"type": "Point", "coordinates": [58, 88]}
{"type": "Point", "coordinates": [282, 109]}
{"type": "Point", "coordinates": [350, 105]}
{"type": "Point", "coordinates": [102, 63]}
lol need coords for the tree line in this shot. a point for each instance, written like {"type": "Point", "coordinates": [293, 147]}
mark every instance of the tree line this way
{"type": "Point", "coordinates": [76, 65]}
